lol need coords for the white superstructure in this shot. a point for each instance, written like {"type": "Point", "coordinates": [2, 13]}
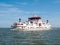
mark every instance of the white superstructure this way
{"type": "Point", "coordinates": [33, 23]}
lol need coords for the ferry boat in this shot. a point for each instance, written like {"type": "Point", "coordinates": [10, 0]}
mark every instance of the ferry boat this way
{"type": "Point", "coordinates": [34, 23]}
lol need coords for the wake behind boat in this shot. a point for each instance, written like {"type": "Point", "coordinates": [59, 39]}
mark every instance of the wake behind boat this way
{"type": "Point", "coordinates": [33, 24]}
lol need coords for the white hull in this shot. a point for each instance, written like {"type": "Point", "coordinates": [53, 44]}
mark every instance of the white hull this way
{"type": "Point", "coordinates": [32, 29]}
{"type": "Point", "coordinates": [33, 24]}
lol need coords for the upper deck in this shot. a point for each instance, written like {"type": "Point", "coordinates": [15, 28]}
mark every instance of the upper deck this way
{"type": "Point", "coordinates": [34, 17]}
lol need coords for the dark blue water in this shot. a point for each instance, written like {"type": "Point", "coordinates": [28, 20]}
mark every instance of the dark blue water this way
{"type": "Point", "coordinates": [48, 37]}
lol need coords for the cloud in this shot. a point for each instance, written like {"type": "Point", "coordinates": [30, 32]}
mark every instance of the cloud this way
{"type": "Point", "coordinates": [8, 9]}
{"type": "Point", "coordinates": [4, 4]}
{"type": "Point", "coordinates": [24, 3]}
{"type": "Point", "coordinates": [57, 2]}
{"type": "Point", "coordinates": [21, 3]}
{"type": "Point", "coordinates": [11, 11]}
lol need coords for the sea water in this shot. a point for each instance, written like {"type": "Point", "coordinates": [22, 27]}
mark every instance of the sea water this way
{"type": "Point", "coordinates": [47, 37]}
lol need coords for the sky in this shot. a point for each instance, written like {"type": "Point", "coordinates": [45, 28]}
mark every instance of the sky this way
{"type": "Point", "coordinates": [12, 10]}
